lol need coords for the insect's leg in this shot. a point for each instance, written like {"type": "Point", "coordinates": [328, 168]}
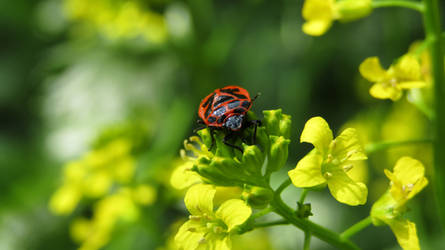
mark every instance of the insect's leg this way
{"type": "Point", "coordinates": [255, 123]}
{"type": "Point", "coordinates": [225, 141]}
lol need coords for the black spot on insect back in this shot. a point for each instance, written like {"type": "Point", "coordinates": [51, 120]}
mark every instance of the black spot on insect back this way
{"type": "Point", "coordinates": [239, 111]}
{"type": "Point", "coordinates": [221, 119]}
{"type": "Point", "coordinates": [240, 96]}
{"type": "Point", "coordinates": [230, 91]}
{"type": "Point", "coordinates": [207, 113]}
{"type": "Point", "coordinates": [246, 104]}
{"type": "Point", "coordinates": [221, 99]}
{"type": "Point", "coordinates": [211, 119]}
{"type": "Point", "coordinates": [233, 104]}
{"type": "Point", "coordinates": [209, 101]}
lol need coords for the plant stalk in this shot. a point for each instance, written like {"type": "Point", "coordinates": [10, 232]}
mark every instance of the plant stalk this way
{"type": "Point", "coordinates": [357, 227]}
{"type": "Point", "coordinates": [433, 32]}
{"type": "Point", "coordinates": [418, 6]}
{"type": "Point", "coordinates": [308, 226]}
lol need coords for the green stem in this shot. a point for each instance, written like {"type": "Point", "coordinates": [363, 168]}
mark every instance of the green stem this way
{"type": "Point", "coordinates": [303, 195]}
{"type": "Point", "coordinates": [433, 32]}
{"type": "Point", "coordinates": [378, 146]}
{"type": "Point", "coordinates": [307, 241]}
{"type": "Point", "coordinates": [272, 223]}
{"type": "Point", "coordinates": [283, 186]}
{"type": "Point", "coordinates": [309, 227]}
{"type": "Point", "coordinates": [262, 213]}
{"type": "Point", "coordinates": [399, 3]}
{"type": "Point", "coordinates": [359, 226]}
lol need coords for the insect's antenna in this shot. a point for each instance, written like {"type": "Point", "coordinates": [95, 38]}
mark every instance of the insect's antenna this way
{"type": "Point", "coordinates": [255, 97]}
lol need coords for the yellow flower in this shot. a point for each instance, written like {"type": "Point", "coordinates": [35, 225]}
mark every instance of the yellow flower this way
{"type": "Point", "coordinates": [144, 194]}
{"type": "Point", "coordinates": [205, 228]}
{"type": "Point", "coordinates": [406, 181]}
{"type": "Point", "coordinates": [405, 74]}
{"type": "Point", "coordinates": [95, 233]}
{"type": "Point", "coordinates": [118, 19]}
{"type": "Point", "coordinates": [65, 199]}
{"type": "Point", "coordinates": [320, 14]}
{"type": "Point", "coordinates": [330, 161]}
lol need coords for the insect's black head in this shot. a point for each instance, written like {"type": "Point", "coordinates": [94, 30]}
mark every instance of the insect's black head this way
{"type": "Point", "coordinates": [234, 122]}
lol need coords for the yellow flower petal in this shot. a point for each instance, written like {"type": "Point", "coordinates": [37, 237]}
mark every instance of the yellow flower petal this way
{"type": "Point", "coordinates": [184, 177]}
{"type": "Point", "coordinates": [406, 233]}
{"type": "Point", "coordinates": [144, 194]}
{"type": "Point", "coordinates": [385, 91]}
{"type": "Point", "coordinates": [199, 199]}
{"type": "Point", "coordinates": [65, 199]}
{"type": "Point", "coordinates": [316, 28]}
{"type": "Point", "coordinates": [317, 132]}
{"type": "Point", "coordinates": [347, 146]}
{"type": "Point", "coordinates": [345, 190]}
{"type": "Point", "coordinates": [233, 212]}
{"type": "Point", "coordinates": [318, 10]}
{"type": "Point", "coordinates": [189, 236]}
{"type": "Point", "coordinates": [80, 229]}
{"type": "Point", "coordinates": [407, 68]}
{"type": "Point", "coordinates": [319, 15]}
{"type": "Point", "coordinates": [308, 171]}
{"type": "Point", "coordinates": [407, 179]}
{"type": "Point", "coordinates": [412, 84]}
{"type": "Point", "coordinates": [216, 242]}
{"type": "Point", "coordinates": [224, 193]}
{"type": "Point", "coordinates": [372, 70]}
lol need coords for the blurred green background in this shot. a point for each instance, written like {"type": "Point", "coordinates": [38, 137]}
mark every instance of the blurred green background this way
{"type": "Point", "coordinates": [72, 70]}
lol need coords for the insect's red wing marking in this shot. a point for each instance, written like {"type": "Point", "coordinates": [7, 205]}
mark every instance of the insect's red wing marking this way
{"type": "Point", "coordinates": [205, 107]}
{"type": "Point", "coordinates": [223, 103]}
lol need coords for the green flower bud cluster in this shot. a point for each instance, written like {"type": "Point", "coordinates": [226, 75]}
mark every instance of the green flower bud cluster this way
{"type": "Point", "coordinates": [277, 127]}
{"type": "Point", "coordinates": [226, 166]}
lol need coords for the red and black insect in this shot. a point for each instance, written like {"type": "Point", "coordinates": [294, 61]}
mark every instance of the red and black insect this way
{"type": "Point", "coordinates": [226, 109]}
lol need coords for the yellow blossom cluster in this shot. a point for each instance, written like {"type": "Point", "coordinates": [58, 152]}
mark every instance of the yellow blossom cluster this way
{"type": "Point", "coordinates": [93, 175]}
{"type": "Point", "coordinates": [122, 205]}
{"type": "Point", "coordinates": [118, 19]}
{"type": "Point", "coordinates": [106, 175]}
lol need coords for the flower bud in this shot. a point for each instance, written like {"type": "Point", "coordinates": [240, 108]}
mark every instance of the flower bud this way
{"type": "Point", "coordinates": [257, 196]}
{"type": "Point", "coordinates": [278, 153]}
{"type": "Point", "coordinates": [214, 175]}
{"type": "Point", "coordinates": [252, 159]}
{"type": "Point", "coordinates": [272, 121]}
{"type": "Point", "coordinates": [285, 125]}
{"type": "Point", "coordinates": [230, 168]}
{"type": "Point", "coordinates": [206, 137]}
{"type": "Point", "coordinates": [383, 209]}
{"type": "Point", "coordinates": [222, 149]}
{"type": "Point", "coordinates": [350, 10]}
{"type": "Point", "coordinates": [262, 139]}
{"type": "Point", "coordinates": [304, 210]}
